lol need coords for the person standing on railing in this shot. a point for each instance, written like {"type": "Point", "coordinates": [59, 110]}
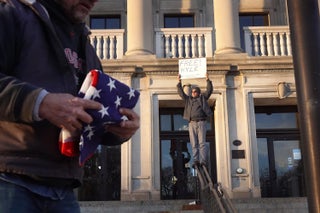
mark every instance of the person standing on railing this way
{"type": "Point", "coordinates": [196, 112]}
{"type": "Point", "coordinates": [45, 55]}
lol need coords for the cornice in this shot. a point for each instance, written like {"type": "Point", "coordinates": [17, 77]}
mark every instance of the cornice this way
{"type": "Point", "coordinates": [164, 66]}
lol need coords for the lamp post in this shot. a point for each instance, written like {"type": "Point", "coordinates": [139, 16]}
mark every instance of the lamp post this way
{"type": "Point", "coordinates": [305, 36]}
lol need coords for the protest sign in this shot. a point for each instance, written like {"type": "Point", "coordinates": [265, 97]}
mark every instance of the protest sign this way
{"type": "Point", "coordinates": [193, 68]}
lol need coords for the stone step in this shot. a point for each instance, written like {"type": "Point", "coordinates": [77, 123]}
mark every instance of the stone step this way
{"type": "Point", "coordinates": [252, 205]}
{"type": "Point", "coordinates": [162, 206]}
{"type": "Point", "coordinates": [271, 205]}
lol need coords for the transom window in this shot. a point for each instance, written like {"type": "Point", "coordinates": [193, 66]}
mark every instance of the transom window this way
{"type": "Point", "coordinates": [251, 19]}
{"type": "Point", "coordinates": [178, 20]}
{"type": "Point", "coordinates": [171, 120]}
{"type": "Point", "coordinates": [276, 118]}
{"type": "Point", "coordinates": [105, 22]}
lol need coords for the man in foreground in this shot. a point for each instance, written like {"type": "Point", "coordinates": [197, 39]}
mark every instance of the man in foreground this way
{"type": "Point", "coordinates": [45, 55]}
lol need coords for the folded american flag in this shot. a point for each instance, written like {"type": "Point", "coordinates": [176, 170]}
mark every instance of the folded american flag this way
{"type": "Point", "coordinates": [112, 94]}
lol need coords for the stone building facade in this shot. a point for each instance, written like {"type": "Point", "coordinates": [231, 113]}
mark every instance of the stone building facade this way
{"type": "Point", "coordinates": [253, 135]}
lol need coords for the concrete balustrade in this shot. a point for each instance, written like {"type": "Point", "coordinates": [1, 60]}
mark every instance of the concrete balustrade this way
{"type": "Point", "coordinates": [108, 43]}
{"type": "Point", "coordinates": [183, 42]}
{"type": "Point", "coordinates": [268, 41]}
{"type": "Point", "coordinates": [195, 42]}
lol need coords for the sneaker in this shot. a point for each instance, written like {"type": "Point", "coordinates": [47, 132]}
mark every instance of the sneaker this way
{"type": "Point", "coordinates": [203, 164]}
{"type": "Point", "coordinates": [195, 163]}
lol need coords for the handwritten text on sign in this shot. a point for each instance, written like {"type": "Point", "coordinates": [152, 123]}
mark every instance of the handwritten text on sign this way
{"type": "Point", "coordinates": [193, 68]}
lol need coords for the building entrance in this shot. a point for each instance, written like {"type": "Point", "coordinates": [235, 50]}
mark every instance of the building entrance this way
{"type": "Point", "coordinates": [279, 152]}
{"type": "Point", "coordinates": [281, 167]}
{"type": "Point", "coordinates": [101, 180]}
{"type": "Point", "coordinates": [178, 178]}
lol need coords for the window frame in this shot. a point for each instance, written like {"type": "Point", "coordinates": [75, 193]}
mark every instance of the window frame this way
{"type": "Point", "coordinates": [179, 17]}
{"type": "Point", "coordinates": [105, 17]}
{"type": "Point", "coordinates": [272, 135]}
{"type": "Point", "coordinates": [265, 15]}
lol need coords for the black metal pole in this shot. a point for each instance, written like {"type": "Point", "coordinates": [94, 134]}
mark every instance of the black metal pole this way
{"type": "Point", "coordinates": [305, 38]}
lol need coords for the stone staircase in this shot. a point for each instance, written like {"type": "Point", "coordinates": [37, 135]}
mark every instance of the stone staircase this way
{"type": "Point", "coordinates": [160, 206]}
{"type": "Point", "coordinates": [271, 205]}
{"type": "Point", "coordinates": [253, 205]}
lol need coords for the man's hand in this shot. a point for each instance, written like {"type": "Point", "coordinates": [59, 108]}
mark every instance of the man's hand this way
{"type": "Point", "coordinates": [66, 111]}
{"type": "Point", "coordinates": [127, 128]}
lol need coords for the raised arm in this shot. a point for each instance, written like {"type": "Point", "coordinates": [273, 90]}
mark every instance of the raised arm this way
{"type": "Point", "coordinates": [209, 89]}
{"type": "Point", "coordinates": [180, 89]}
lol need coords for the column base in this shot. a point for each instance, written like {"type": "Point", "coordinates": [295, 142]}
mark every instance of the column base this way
{"type": "Point", "coordinates": [229, 50]}
{"type": "Point", "coordinates": [138, 52]}
{"type": "Point", "coordinates": [139, 57]}
{"type": "Point", "coordinates": [231, 56]}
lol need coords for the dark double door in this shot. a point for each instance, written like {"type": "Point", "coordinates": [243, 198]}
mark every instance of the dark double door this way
{"type": "Point", "coordinates": [178, 178]}
{"type": "Point", "coordinates": [280, 167]}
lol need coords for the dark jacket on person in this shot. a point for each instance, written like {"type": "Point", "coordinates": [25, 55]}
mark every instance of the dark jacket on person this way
{"type": "Point", "coordinates": [202, 99]}
{"type": "Point", "coordinates": [32, 58]}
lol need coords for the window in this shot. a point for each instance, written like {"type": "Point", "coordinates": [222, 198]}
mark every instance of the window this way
{"type": "Point", "coordinates": [105, 22]}
{"type": "Point", "coordinates": [178, 178]}
{"type": "Point", "coordinates": [251, 19]}
{"type": "Point", "coordinates": [171, 120]}
{"type": "Point", "coordinates": [178, 20]}
{"type": "Point", "coordinates": [101, 180]}
{"type": "Point", "coordinates": [279, 152]}
{"type": "Point", "coordinates": [276, 120]}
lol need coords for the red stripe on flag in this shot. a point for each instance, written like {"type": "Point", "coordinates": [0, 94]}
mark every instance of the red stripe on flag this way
{"type": "Point", "coordinates": [69, 148]}
{"type": "Point", "coordinates": [95, 77]}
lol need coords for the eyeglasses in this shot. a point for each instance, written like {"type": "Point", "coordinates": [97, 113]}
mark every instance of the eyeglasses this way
{"type": "Point", "coordinates": [194, 91]}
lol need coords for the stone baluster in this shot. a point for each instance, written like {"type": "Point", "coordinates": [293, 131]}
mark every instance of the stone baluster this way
{"type": "Point", "coordinates": [112, 47]}
{"type": "Point", "coordinates": [282, 47]}
{"type": "Point", "coordinates": [275, 44]}
{"type": "Point", "coordinates": [194, 44]}
{"type": "Point", "coordinates": [200, 45]}
{"type": "Point", "coordinates": [180, 46]}
{"type": "Point", "coordinates": [187, 45]}
{"type": "Point", "coordinates": [256, 44]}
{"type": "Point", "coordinates": [105, 47]}
{"type": "Point", "coordinates": [289, 49]}
{"type": "Point", "coordinates": [174, 46]}
{"type": "Point", "coordinates": [269, 46]}
{"type": "Point", "coordinates": [167, 46]}
{"type": "Point", "coordinates": [262, 44]}
{"type": "Point", "coordinates": [99, 47]}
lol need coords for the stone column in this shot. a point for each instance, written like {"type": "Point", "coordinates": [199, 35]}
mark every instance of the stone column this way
{"type": "Point", "coordinates": [140, 27]}
{"type": "Point", "coordinates": [226, 24]}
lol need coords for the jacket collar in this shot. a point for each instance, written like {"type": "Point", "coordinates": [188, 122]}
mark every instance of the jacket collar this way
{"type": "Point", "coordinates": [38, 8]}
{"type": "Point", "coordinates": [43, 13]}
{"type": "Point", "coordinates": [29, 1]}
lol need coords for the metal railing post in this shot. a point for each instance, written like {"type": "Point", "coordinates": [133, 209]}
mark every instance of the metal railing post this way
{"type": "Point", "coordinates": [305, 36]}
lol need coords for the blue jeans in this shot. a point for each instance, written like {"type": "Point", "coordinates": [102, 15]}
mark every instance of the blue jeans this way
{"type": "Point", "coordinates": [17, 199]}
{"type": "Point", "coordinates": [197, 134]}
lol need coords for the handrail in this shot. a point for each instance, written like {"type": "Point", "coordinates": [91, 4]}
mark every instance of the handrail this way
{"type": "Point", "coordinates": [215, 198]}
